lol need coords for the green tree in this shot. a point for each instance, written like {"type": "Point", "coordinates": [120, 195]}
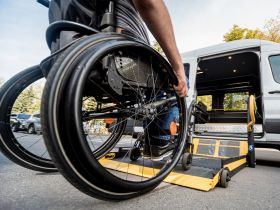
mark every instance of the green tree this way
{"type": "Point", "coordinates": [207, 100]}
{"type": "Point", "coordinates": [272, 29]}
{"type": "Point", "coordinates": [237, 33]}
{"type": "Point", "coordinates": [235, 101]}
{"type": "Point", "coordinates": [25, 101]}
{"type": "Point", "coordinates": [270, 32]}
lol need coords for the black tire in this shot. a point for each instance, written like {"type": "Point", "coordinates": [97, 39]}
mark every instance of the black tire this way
{"type": "Point", "coordinates": [31, 129]}
{"type": "Point", "coordinates": [187, 157]}
{"type": "Point", "coordinates": [224, 178]}
{"type": "Point", "coordinates": [62, 120]}
{"type": "Point", "coordinates": [14, 128]}
{"type": "Point", "coordinates": [186, 161]}
{"type": "Point", "coordinates": [9, 143]}
{"type": "Point", "coordinates": [134, 154]}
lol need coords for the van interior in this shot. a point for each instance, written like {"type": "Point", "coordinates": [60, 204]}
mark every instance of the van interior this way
{"type": "Point", "coordinates": [223, 86]}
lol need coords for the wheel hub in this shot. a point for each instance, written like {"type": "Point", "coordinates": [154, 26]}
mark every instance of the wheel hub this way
{"type": "Point", "coordinates": [147, 112]}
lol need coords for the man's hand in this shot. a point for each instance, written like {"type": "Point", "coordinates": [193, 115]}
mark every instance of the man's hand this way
{"type": "Point", "coordinates": [182, 87]}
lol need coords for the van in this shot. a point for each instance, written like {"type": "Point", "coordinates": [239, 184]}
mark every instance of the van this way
{"type": "Point", "coordinates": [222, 77]}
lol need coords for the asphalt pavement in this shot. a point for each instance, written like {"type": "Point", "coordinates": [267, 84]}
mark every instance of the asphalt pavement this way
{"type": "Point", "coordinates": [257, 188]}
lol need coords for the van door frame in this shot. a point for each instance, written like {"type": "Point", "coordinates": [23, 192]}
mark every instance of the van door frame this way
{"type": "Point", "coordinates": [257, 51]}
{"type": "Point", "coordinates": [193, 62]}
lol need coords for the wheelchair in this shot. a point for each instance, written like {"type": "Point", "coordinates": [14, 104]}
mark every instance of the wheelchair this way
{"type": "Point", "coordinates": [100, 78]}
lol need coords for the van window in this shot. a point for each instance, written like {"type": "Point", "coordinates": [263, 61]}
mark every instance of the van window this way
{"type": "Point", "coordinates": [275, 66]}
{"type": "Point", "coordinates": [236, 101]}
{"type": "Point", "coordinates": [207, 100]}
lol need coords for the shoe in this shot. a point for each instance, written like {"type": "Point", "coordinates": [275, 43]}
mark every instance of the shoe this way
{"type": "Point", "coordinates": [146, 151]}
{"type": "Point", "coordinates": [157, 153]}
{"type": "Point", "coordinates": [152, 141]}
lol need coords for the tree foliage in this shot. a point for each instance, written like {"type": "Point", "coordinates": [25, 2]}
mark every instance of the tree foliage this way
{"type": "Point", "coordinates": [235, 101]}
{"type": "Point", "coordinates": [24, 102]}
{"type": "Point", "coordinates": [29, 101]}
{"type": "Point", "coordinates": [207, 100]}
{"type": "Point", "coordinates": [270, 31]}
{"type": "Point", "coordinates": [232, 101]}
{"type": "Point", "coordinates": [237, 33]}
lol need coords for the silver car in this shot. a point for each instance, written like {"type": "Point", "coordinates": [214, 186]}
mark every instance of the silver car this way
{"type": "Point", "coordinates": [17, 121]}
{"type": "Point", "coordinates": [33, 124]}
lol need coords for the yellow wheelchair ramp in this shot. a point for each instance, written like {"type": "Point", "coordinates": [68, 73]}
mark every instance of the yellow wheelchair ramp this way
{"type": "Point", "coordinates": [211, 157]}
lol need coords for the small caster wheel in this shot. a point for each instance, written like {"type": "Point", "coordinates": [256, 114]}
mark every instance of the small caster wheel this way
{"type": "Point", "coordinates": [134, 154]}
{"type": "Point", "coordinates": [224, 179]}
{"type": "Point", "coordinates": [186, 161]}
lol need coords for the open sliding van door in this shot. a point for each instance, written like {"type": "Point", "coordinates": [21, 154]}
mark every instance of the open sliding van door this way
{"type": "Point", "coordinates": [270, 74]}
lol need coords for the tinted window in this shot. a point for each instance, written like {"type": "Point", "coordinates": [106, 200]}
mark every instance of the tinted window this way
{"type": "Point", "coordinates": [23, 116]}
{"type": "Point", "coordinates": [275, 66]}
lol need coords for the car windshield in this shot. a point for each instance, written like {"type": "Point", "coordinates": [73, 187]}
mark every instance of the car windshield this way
{"type": "Point", "coordinates": [23, 116]}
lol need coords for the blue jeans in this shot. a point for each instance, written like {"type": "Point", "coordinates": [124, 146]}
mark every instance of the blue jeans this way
{"type": "Point", "coordinates": [159, 128]}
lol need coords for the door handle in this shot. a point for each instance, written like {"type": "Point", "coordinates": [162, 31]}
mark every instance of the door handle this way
{"type": "Point", "coordinates": [274, 92]}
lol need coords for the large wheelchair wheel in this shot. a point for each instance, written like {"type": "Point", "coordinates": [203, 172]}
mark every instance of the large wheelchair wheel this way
{"type": "Point", "coordinates": [126, 80]}
{"type": "Point", "coordinates": [22, 148]}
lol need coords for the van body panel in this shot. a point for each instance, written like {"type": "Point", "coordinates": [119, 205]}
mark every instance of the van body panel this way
{"type": "Point", "coordinates": [226, 47]}
{"type": "Point", "coordinates": [269, 46]}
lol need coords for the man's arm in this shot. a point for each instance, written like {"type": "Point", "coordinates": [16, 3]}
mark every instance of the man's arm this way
{"type": "Point", "coordinates": [157, 18]}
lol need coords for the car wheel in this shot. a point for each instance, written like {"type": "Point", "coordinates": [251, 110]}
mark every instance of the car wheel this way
{"type": "Point", "coordinates": [31, 129]}
{"type": "Point", "coordinates": [14, 128]}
